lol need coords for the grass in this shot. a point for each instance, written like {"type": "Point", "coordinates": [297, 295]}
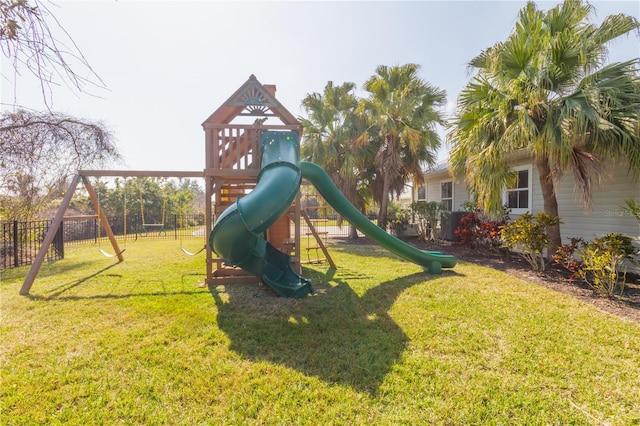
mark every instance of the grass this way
{"type": "Point", "coordinates": [379, 343]}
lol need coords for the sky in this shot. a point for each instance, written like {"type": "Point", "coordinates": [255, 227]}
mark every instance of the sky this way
{"type": "Point", "coordinates": [168, 65]}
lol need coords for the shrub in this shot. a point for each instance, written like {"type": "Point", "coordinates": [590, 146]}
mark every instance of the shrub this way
{"type": "Point", "coordinates": [492, 231]}
{"type": "Point", "coordinates": [633, 207]}
{"type": "Point", "coordinates": [600, 262]}
{"type": "Point", "coordinates": [427, 216]}
{"type": "Point", "coordinates": [398, 220]}
{"type": "Point", "coordinates": [475, 231]}
{"type": "Point", "coordinates": [566, 256]}
{"type": "Point", "coordinates": [469, 230]}
{"type": "Point", "coordinates": [528, 234]}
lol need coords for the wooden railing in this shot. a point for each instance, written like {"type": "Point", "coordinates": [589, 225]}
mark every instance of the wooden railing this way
{"type": "Point", "coordinates": [235, 146]}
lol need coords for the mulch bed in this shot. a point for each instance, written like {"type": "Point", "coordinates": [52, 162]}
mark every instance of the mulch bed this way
{"type": "Point", "coordinates": [625, 306]}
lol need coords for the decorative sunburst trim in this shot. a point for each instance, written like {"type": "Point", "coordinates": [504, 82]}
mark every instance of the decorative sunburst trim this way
{"type": "Point", "coordinates": [256, 110]}
{"type": "Point", "coordinates": [254, 95]}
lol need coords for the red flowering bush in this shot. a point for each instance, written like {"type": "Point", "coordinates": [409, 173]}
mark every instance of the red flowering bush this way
{"type": "Point", "coordinates": [566, 257]}
{"type": "Point", "coordinates": [474, 231]}
{"type": "Point", "coordinates": [469, 231]}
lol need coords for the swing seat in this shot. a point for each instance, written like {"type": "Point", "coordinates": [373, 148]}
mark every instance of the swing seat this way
{"type": "Point", "coordinates": [151, 228]}
{"type": "Point", "coordinates": [153, 225]}
{"type": "Point", "coordinates": [188, 253]}
{"type": "Point", "coordinates": [109, 255]}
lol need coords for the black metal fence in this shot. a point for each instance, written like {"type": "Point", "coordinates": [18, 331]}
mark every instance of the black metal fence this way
{"type": "Point", "coordinates": [20, 242]}
{"type": "Point", "coordinates": [174, 227]}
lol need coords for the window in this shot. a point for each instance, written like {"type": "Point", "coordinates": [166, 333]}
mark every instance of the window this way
{"type": "Point", "coordinates": [422, 192]}
{"type": "Point", "coordinates": [518, 198]}
{"type": "Point", "coordinates": [446, 195]}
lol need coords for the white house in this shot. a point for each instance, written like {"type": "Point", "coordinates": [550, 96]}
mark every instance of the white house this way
{"type": "Point", "coordinates": [607, 215]}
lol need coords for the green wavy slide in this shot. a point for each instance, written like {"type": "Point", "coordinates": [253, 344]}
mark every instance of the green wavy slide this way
{"type": "Point", "coordinates": [238, 234]}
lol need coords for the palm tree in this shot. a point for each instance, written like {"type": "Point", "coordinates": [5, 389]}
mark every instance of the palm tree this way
{"type": "Point", "coordinates": [403, 111]}
{"type": "Point", "coordinates": [329, 133]}
{"type": "Point", "coordinates": [547, 91]}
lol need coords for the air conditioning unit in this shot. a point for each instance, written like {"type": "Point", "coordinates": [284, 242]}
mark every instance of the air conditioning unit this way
{"type": "Point", "coordinates": [449, 223]}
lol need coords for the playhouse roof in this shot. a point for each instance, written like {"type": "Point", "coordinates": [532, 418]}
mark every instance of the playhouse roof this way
{"type": "Point", "coordinates": [252, 99]}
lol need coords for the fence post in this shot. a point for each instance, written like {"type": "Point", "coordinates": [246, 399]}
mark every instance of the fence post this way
{"type": "Point", "coordinates": [175, 226]}
{"type": "Point", "coordinates": [16, 245]}
{"type": "Point", "coordinates": [60, 240]}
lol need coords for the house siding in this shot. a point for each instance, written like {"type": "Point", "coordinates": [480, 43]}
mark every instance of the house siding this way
{"type": "Point", "coordinates": [434, 193]}
{"type": "Point", "coordinates": [607, 215]}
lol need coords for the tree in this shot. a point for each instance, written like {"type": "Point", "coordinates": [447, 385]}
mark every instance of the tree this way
{"type": "Point", "coordinates": [39, 152]}
{"type": "Point", "coordinates": [329, 134]}
{"type": "Point", "coordinates": [28, 41]}
{"type": "Point", "coordinates": [159, 200]}
{"type": "Point", "coordinates": [546, 90]}
{"type": "Point", "coordinates": [403, 111]}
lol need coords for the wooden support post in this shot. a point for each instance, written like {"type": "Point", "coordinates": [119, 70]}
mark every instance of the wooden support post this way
{"type": "Point", "coordinates": [296, 233]}
{"type": "Point", "coordinates": [103, 219]}
{"type": "Point", "coordinates": [208, 183]}
{"type": "Point", "coordinates": [318, 239]}
{"type": "Point", "coordinates": [48, 239]}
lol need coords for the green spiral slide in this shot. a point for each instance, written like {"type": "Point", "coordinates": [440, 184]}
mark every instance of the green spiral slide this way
{"type": "Point", "coordinates": [238, 234]}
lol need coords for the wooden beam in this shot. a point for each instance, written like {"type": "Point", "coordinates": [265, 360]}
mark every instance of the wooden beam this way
{"type": "Point", "coordinates": [103, 219]}
{"type": "Point", "coordinates": [232, 173]}
{"type": "Point", "coordinates": [232, 279]}
{"type": "Point", "coordinates": [81, 217]}
{"type": "Point", "coordinates": [142, 173]}
{"type": "Point", "coordinates": [220, 126]}
{"type": "Point", "coordinates": [48, 239]}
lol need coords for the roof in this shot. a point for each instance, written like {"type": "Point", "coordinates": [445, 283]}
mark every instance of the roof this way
{"type": "Point", "coordinates": [252, 99]}
{"type": "Point", "coordinates": [438, 168]}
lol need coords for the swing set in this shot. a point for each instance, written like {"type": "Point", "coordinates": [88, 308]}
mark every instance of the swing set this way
{"type": "Point", "coordinates": [232, 155]}
{"type": "Point", "coordinates": [83, 176]}
{"type": "Point", "coordinates": [157, 226]}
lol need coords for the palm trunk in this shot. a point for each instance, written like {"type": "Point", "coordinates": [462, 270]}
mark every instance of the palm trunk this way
{"type": "Point", "coordinates": [550, 203]}
{"type": "Point", "coordinates": [384, 202]}
{"type": "Point", "coordinates": [350, 191]}
{"type": "Point", "coordinates": [353, 232]}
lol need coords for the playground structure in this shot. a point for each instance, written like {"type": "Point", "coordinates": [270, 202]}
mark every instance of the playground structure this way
{"type": "Point", "coordinates": [233, 165]}
{"type": "Point", "coordinates": [252, 177]}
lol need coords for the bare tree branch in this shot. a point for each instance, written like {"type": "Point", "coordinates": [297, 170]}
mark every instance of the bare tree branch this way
{"type": "Point", "coordinates": [39, 152]}
{"type": "Point", "coordinates": [28, 41]}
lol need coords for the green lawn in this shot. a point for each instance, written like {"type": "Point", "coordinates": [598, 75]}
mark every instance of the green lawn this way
{"type": "Point", "coordinates": [380, 343]}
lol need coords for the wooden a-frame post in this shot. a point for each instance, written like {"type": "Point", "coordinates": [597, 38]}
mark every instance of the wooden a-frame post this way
{"type": "Point", "coordinates": [55, 225]}
{"type": "Point", "coordinates": [103, 219]}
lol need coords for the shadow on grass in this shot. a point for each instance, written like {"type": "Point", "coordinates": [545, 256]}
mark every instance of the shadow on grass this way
{"type": "Point", "coordinates": [63, 288]}
{"type": "Point", "coordinates": [364, 247]}
{"type": "Point", "coordinates": [49, 269]}
{"type": "Point", "coordinates": [59, 292]}
{"type": "Point", "coordinates": [336, 335]}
